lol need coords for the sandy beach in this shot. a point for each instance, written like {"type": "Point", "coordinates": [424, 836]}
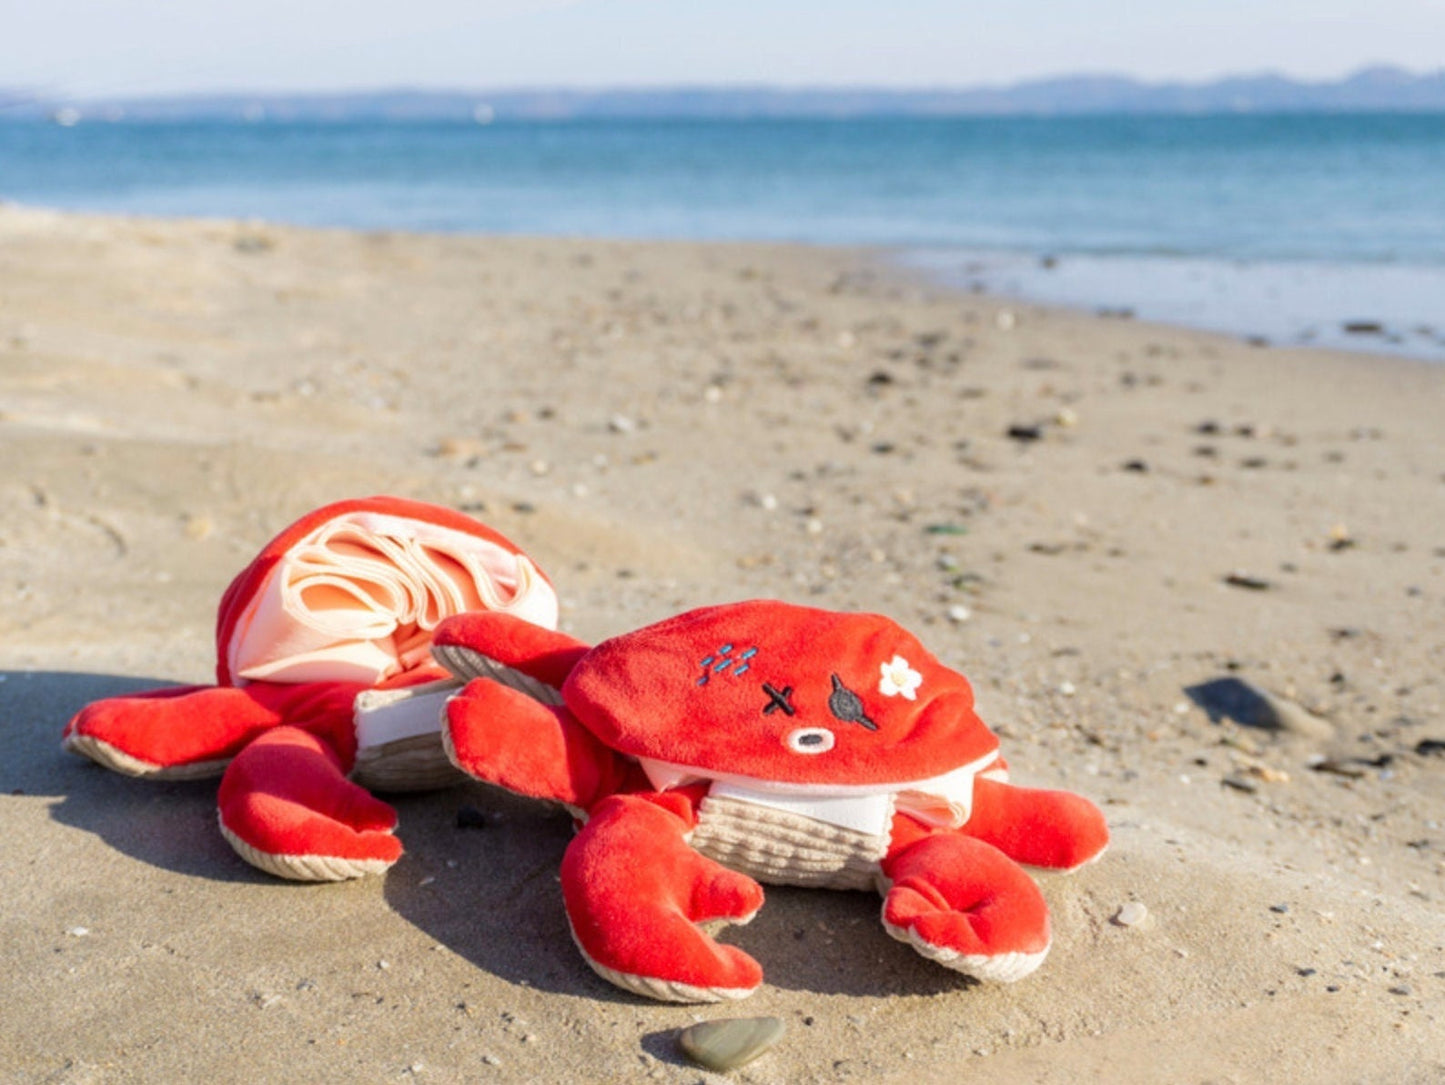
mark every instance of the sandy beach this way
{"type": "Point", "coordinates": [1103, 523]}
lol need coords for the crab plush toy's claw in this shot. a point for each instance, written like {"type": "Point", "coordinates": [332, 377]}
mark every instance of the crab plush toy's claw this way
{"type": "Point", "coordinates": [287, 808]}
{"type": "Point", "coordinates": [635, 894]}
{"type": "Point", "coordinates": [323, 656]}
{"type": "Point", "coordinates": [966, 905]}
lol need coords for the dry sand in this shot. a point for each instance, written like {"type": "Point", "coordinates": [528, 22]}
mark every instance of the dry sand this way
{"type": "Point", "coordinates": [664, 426]}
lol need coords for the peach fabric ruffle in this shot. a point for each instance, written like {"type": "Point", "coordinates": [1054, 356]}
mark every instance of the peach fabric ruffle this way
{"type": "Point", "coordinates": [358, 598]}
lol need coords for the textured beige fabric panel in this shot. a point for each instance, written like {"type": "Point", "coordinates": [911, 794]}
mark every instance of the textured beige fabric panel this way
{"type": "Point", "coordinates": [418, 763]}
{"type": "Point", "coordinates": [784, 848]}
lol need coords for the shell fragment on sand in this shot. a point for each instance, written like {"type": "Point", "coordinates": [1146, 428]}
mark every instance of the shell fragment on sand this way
{"type": "Point", "coordinates": [1132, 914]}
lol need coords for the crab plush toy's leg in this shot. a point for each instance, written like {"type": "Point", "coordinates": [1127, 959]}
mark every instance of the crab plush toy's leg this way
{"type": "Point", "coordinates": [489, 644]}
{"type": "Point", "coordinates": [287, 807]}
{"type": "Point", "coordinates": [1054, 829]}
{"type": "Point", "coordinates": [285, 803]}
{"type": "Point", "coordinates": [635, 894]}
{"type": "Point", "coordinates": [504, 737]}
{"type": "Point", "coordinates": [186, 732]}
{"type": "Point", "coordinates": [966, 905]}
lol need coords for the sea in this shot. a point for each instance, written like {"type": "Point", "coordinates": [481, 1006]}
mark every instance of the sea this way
{"type": "Point", "coordinates": [1324, 229]}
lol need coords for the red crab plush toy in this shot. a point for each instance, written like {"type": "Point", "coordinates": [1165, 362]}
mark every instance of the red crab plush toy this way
{"type": "Point", "coordinates": [323, 669]}
{"type": "Point", "coordinates": [769, 741]}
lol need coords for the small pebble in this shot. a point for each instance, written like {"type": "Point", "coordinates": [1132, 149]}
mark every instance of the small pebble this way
{"type": "Point", "coordinates": [620, 423]}
{"type": "Point", "coordinates": [1245, 580]}
{"type": "Point", "coordinates": [77, 932]}
{"type": "Point", "coordinates": [199, 527]}
{"type": "Point", "coordinates": [1132, 914]}
{"type": "Point", "coordinates": [959, 613]}
{"type": "Point", "coordinates": [731, 1042]}
{"type": "Point", "coordinates": [1337, 768]}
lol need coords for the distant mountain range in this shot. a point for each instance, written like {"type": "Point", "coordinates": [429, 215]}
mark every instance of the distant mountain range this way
{"type": "Point", "coordinates": [1377, 89]}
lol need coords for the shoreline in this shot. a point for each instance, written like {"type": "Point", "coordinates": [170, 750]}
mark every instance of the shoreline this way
{"type": "Point", "coordinates": [1383, 309]}
{"type": "Point", "coordinates": [663, 425]}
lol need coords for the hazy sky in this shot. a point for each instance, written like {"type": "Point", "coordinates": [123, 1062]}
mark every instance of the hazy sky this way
{"type": "Point", "coordinates": [125, 47]}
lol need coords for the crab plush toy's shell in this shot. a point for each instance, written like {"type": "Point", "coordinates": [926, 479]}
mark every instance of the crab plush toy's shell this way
{"type": "Point", "coordinates": [352, 591]}
{"type": "Point", "coordinates": [780, 693]}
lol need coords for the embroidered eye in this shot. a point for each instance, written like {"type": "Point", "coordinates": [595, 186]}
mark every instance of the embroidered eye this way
{"type": "Point", "coordinates": [778, 699]}
{"type": "Point", "coordinates": [848, 706]}
{"type": "Point", "coordinates": [811, 740]}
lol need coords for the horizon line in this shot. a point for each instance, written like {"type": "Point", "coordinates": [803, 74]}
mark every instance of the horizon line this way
{"type": "Point", "coordinates": [19, 94]}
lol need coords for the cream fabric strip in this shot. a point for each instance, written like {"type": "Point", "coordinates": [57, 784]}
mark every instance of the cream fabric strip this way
{"type": "Point", "coordinates": [357, 599]}
{"type": "Point", "coordinates": [945, 801]}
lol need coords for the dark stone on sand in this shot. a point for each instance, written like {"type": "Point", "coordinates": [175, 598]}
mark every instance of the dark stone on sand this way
{"type": "Point", "coordinates": [1250, 706]}
{"type": "Point", "coordinates": [1251, 583]}
{"type": "Point", "coordinates": [1137, 466]}
{"type": "Point", "coordinates": [1025, 434]}
{"type": "Point", "coordinates": [1430, 747]}
{"type": "Point", "coordinates": [1334, 767]}
{"type": "Point", "coordinates": [1363, 327]}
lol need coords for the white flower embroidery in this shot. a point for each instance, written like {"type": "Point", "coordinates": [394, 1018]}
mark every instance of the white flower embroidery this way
{"type": "Point", "coordinates": [899, 678]}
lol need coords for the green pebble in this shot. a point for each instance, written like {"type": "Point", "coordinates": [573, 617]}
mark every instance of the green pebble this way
{"type": "Point", "coordinates": [731, 1042]}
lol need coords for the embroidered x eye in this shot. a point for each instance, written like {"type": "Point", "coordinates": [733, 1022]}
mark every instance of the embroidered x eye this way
{"type": "Point", "coordinates": [811, 740]}
{"type": "Point", "coordinates": [778, 698]}
{"type": "Point", "coordinates": [848, 706]}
